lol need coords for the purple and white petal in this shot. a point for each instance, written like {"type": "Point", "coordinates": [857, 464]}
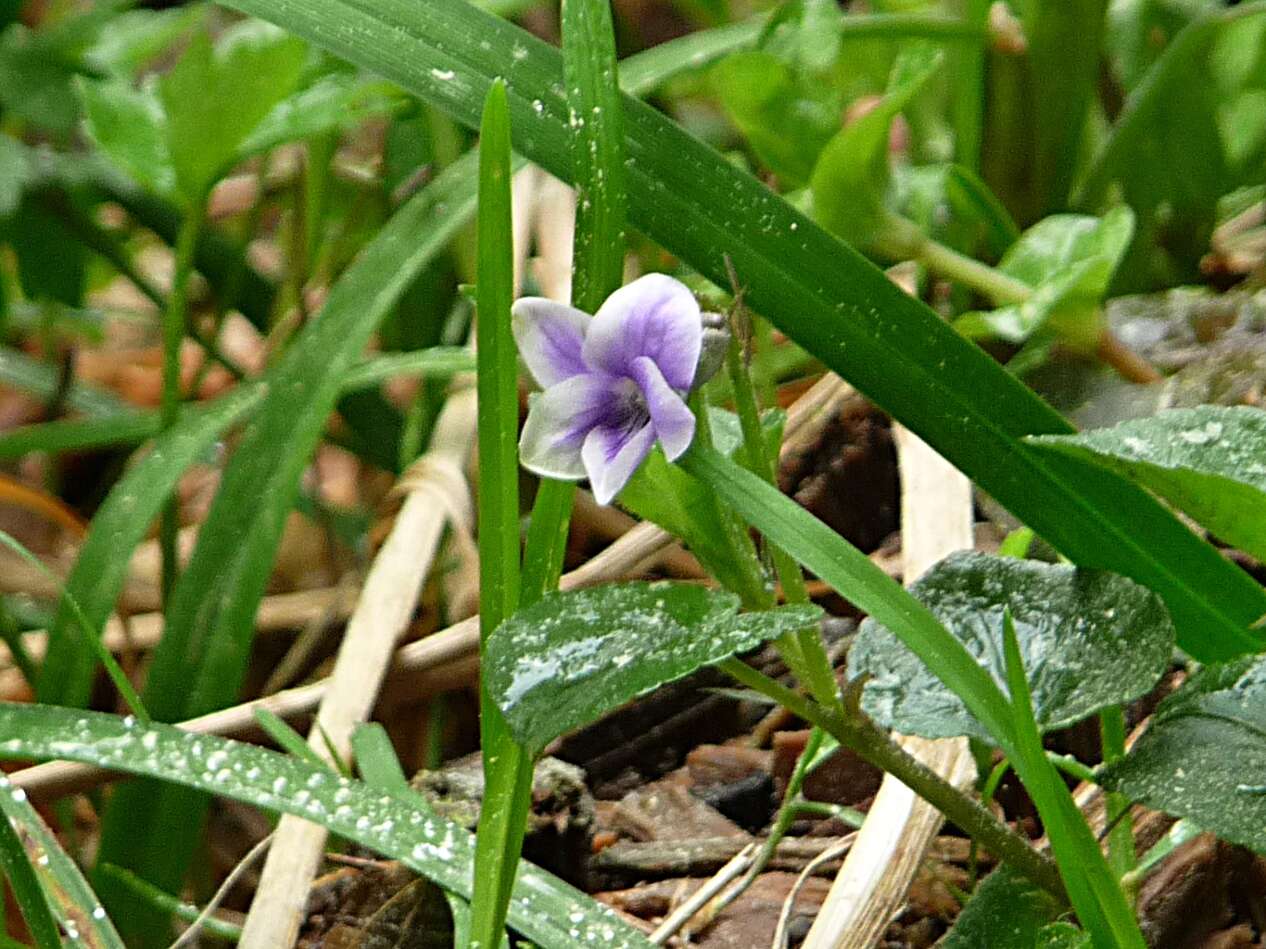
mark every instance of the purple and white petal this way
{"type": "Point", "coordinates": [558, 421]}
{"type": "Point", "coordinates": [612, 453]}
{"type": "Point", "coordinates": [674, 422]}
{"type": "Point", "coordinates": [550, 337]}
{"type": "Point", "coordinates": [654, 316]}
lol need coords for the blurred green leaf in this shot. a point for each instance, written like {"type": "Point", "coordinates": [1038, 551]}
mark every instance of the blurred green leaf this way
{"type": "Point", "coordinates": [1167, 149]}
{"type": "Point", "coordinates": [786, 127]}
{"type": "Point", "coordinates": [16, 172]}
{"type": "Point", "coordinates": [642, 73]}
{"type": "Point", "coordinates": [122, 521]}
{"type": "Point", "coordinates": [135, 38]}
{"type": "Point", "coordinates": [571, 657]}
{"type": "Point", "coordinates": [850, 179]}
{"type": "Point", "coordinates": [200, 661]}
{"type": "Point", "coordinates": [129, 125]}
{"type": "Point", "coordinates": [1069, 260]}
{"type": "Point", "coordinates": [331, 103]}
{"type": "Point", "coordinates": [1209, 462]}
{"type": "Point", "coordinates": [1204, 755]}
{"type": "Point", "coordinates": [1090, 640]}
{"type": "Point", "coordinates": [376, 759]}
{"type": "Point", "coordinates": [951, 204]}
{"type": "Point", "coordinates": [544, 908]}
{"type": "Point", "coordinates": [52, 262]}
{"type": "Point", "coordinates": [214, 97]}
{"type": "Point", "coordinates": [41, 380]}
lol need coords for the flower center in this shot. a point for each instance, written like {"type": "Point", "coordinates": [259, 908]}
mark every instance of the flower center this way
{"type": "Point", "coordinates": [630, 411]}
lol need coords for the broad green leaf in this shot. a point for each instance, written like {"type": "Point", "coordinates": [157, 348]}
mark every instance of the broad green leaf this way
{"type": "Point", "coordinates": [199, 664]}
{"type": "Point", "coordinates": [1068, 260]}
{"type": "Point", "coordinates": [129, 125]}
{"type": "Point", "coordinates": [1089, 640]}
{"type": "Point", "coordinates": [216, 96]}
{"type": "Point", "coordinates": [1209, 461]}
{"type": "Point", "coordinates": [570, 658]}
{"type": "Point", "coordinates": [816, 289]}
{"type": "Point", "coordinates": [1204, 755]}
{"type": "Point", "coordinates": [850, 572]}
{"type": "Point", "coordinates": [101, 569]}
{"type": "Point", "coordinates": [785, 126]}
{"type": "Point", "coordinates": [544, 909]}
{"type": "Point", "coordinates": [1006, 911]}
{"type": "Point", "coordinates": [38, 67]}
{"type": "Point", "coordinates": [67, 894]}
{"type": "Point", "coordinates": [850, 179]}
{"type": "Point", "coordinates": [329, 104]}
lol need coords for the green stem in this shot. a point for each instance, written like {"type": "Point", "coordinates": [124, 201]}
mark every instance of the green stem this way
{"type": "Point", "coordinates": [802, 650]}
{"type": "Point", "coordinates": [175, 326]}
{"type": "Point", "coordinates": [754, 591]}
{"type": "Point", "coordinates": [902, 239]}
{"type": "Point", "coordinates": [1121, 855]}
{"type": "Point", "coordinates": [872, 744]}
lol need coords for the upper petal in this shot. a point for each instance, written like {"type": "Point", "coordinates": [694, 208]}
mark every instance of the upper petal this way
{"type": "Point", "coordinates": [654, 316]}
{"type": "Point", "coordinates": [550, 337]}
{"type": "Point", "coordinates": [674, 422]}
{"type": "Point", "coordinates": [558, 421]}
{"type": "Point", "coordinates": [612, 453]}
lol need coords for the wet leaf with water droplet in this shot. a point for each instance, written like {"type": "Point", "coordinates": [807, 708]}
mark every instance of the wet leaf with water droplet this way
{"type": "Point", "coordinates": [70, 899]}
{"type": "Point", "coordinates": [1089, 639]}
{"type": "Point", "coordinates": [543, 908]}
{"type": "Point", "coordinates": [1208, 461]}
{"type": "Point", "coordinates": [1204, 755]}
{"type": "Point", "coordinates": [566, 660]}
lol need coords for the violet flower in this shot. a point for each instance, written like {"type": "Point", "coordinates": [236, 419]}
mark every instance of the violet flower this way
{"type": "Point", "coordinates": [613, 384]}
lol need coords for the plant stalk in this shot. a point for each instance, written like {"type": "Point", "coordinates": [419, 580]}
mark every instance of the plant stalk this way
{"type": "Point", "coordinates": [872, 744]}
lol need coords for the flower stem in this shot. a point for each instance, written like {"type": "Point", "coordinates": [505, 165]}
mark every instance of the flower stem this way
{"type": "Point", "coordinates": [802, 650]}
{"type": "Point", "coordinates": [175, 325]}
{"type": "Point", "coordinates": [754, 592]}
{"type": "Point", "coordinates": [869, 742]}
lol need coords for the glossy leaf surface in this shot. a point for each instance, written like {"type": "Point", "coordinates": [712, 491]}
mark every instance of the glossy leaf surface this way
{"type": "Point", "coordinates": [1089, 640]}
{"type": "Point", "coordinates": [1208, 461]}
{"type": "Point", "coordinates": [1204, 755]}
{"type": "Point", "coordinates": [570, 658]}
{"type": "Point", "coordinates": [544, 909]}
